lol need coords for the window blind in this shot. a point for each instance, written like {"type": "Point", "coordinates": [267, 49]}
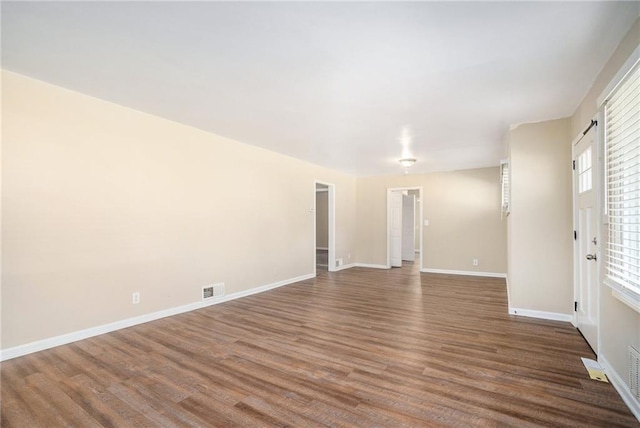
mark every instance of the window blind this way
{"type": "Point", "coordinates": [622, 142]}
{"type": "Point", "coordinates": [504, 180]}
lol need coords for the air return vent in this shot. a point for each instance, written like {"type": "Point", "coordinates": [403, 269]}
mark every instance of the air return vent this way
{"type": "Point", "coordinates": [211, 291]}
{"type": "Point", "coordinates": [634, 371]}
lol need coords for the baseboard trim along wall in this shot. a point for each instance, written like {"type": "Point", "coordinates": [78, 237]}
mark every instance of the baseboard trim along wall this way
{"type": "Point", "coordinates": [553, 316]}
{"type": "Point", "coordinates": [623, 389]}
{"type": "Point", "coordinates": [343, 267]}
{"type": "Point", "coordinates": [465, 272]}
{"type": "Point", "coordinates": [41, 345]}
{"type": "Point", "coordinates": [370, 265]}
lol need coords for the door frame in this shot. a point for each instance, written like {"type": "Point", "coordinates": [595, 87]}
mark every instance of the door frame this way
{"type": "Point", "coordinates": [420, 195]}
{"type": "Point", "coordinates": [331, 225]}
{"type": "Point", "coordinates": [598, 212]}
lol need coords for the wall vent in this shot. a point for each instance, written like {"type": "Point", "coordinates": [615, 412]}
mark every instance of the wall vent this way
{"type": "Point", "coordinates": [211, 291]}
{"type": "Point", "coordinates": [634, 371]}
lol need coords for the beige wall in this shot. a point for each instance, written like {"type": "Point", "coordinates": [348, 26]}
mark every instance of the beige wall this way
{"type": "Point", "coordinates": [463, 209]}
{"type": "Point", "coordinates": [540, 222]}
{"type": "Point", "coordinates": [619, 324]}
{"type": "Point", "coordinates": [99, 201]}
{"type": "Point", "coordinates": [322, 219]}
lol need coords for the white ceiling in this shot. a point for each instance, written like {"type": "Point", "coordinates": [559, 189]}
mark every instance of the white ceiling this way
{"type": "Point", "coordinates": [343, 85]}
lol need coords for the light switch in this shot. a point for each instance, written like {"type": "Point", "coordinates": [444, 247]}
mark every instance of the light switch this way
{"type": "Point", "coordinates": [426, 222]}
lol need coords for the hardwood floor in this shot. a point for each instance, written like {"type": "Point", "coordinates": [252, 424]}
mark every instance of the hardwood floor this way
{"type": "Point", "coordinates": [360, 347]}
{"type": "Point", "coordinates": [322, 259]}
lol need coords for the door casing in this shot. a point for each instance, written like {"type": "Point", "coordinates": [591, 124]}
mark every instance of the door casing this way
{"type": "Point", "coordinates": [421, 213]}
{"type": "Point", "coordinates": [331, 225]}
{"type": "Point", "coordinates": [578, 249]}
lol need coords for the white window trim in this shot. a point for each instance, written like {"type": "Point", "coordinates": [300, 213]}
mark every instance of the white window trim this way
{"type": "Point", "coordinates": [617, 79]}
{"type": "Point", "coordinates": [627, 296]}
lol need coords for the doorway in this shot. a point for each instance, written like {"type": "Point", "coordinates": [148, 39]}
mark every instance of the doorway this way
{"type": "Point", "coordinates": [404, 225]}
{"type": "Point", "coordinates": [586, 235]}
{"type": "Point", "coordinates": [324, 227]}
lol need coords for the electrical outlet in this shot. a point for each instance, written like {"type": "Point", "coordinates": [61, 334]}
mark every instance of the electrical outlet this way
{"type": "Point", "coordinates": [135, 298]}
{"type": "Point", "coordinates": [475, 262]}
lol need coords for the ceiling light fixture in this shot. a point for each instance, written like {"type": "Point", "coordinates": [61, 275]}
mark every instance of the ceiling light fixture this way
{"type": "Point", "coordinates": [407, 162]}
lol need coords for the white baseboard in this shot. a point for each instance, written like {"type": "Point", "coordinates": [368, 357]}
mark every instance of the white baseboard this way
{"type": "Point", "coordinates": [343, 267]}
{"type": "Point", "coordinates": [553, 316]}
{"type": "Point", "coordinates": [465, 272]}
{"type": "Point", "coordinates": [322, 248]}
{"type": "Point", "coordinates": [370, 265]}
{"type": "Point", "coordinates": [620, 385]}
{"type": "Point", "coordinates": [40, 345]}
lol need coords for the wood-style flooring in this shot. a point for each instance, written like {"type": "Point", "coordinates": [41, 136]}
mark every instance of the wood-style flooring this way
{"type": "Point", "coordinates": [360, 347]}
{"type": "Point", "coordinates": [322, 259]}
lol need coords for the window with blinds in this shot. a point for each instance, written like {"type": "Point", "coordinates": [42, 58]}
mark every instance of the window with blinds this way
{"type": "Point", "coordinates": [504, 181]}
{"type": "Point", "coordinates": [622, 145]}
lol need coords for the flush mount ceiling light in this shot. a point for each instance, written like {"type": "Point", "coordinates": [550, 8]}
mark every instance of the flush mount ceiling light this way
{"type": "Point", "coordinates": [407, 162]}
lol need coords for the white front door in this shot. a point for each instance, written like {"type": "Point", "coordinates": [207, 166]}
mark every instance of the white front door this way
{"type": "Point", "coordinates": [586, 242]}
{"type": "Point", "coordinates": [396, 229]}
{"type": "Point", "coordinates": [408, 228]}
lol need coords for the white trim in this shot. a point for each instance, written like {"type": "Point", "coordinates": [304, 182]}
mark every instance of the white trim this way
{"type": "Point", "coordinates": [626, 296]}
{"type": "Point", "coordinates": [331, 226]}
{"type": "Point", "coordinates": [553, 316]}
{"type": "Point", "coordinates": [574, 216]}
{"type": "Point", "coordinates": [617, 79]}
{"type": "Point", "coordinates": [371, 266]}
{"type": "Point", "coordinates": [322, 248]}
{"type": "Point", "coordinates": [40, 345]}
{"type": "Point", "coordinates": [598, 169]}
{"type": "Point", "coordinates": [621, 386]}
{"type": "Point", "coordinates": [343, 267]}
{"type": "Point", "coordinates": [322, 190]}
{"type": "Point", "coordinates": [420, 196]}
{"type": "Point", "coordinates": [465, 272]}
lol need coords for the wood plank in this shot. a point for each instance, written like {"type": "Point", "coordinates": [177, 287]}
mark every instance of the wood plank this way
{"type": "Point", "coordinates": [360, 347]}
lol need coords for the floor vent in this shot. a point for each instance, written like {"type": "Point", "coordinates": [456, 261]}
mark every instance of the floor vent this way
{"type": "Point", "coordinates": [634, 371]}
{"type": "Point", "coordinates": [211, 291]}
